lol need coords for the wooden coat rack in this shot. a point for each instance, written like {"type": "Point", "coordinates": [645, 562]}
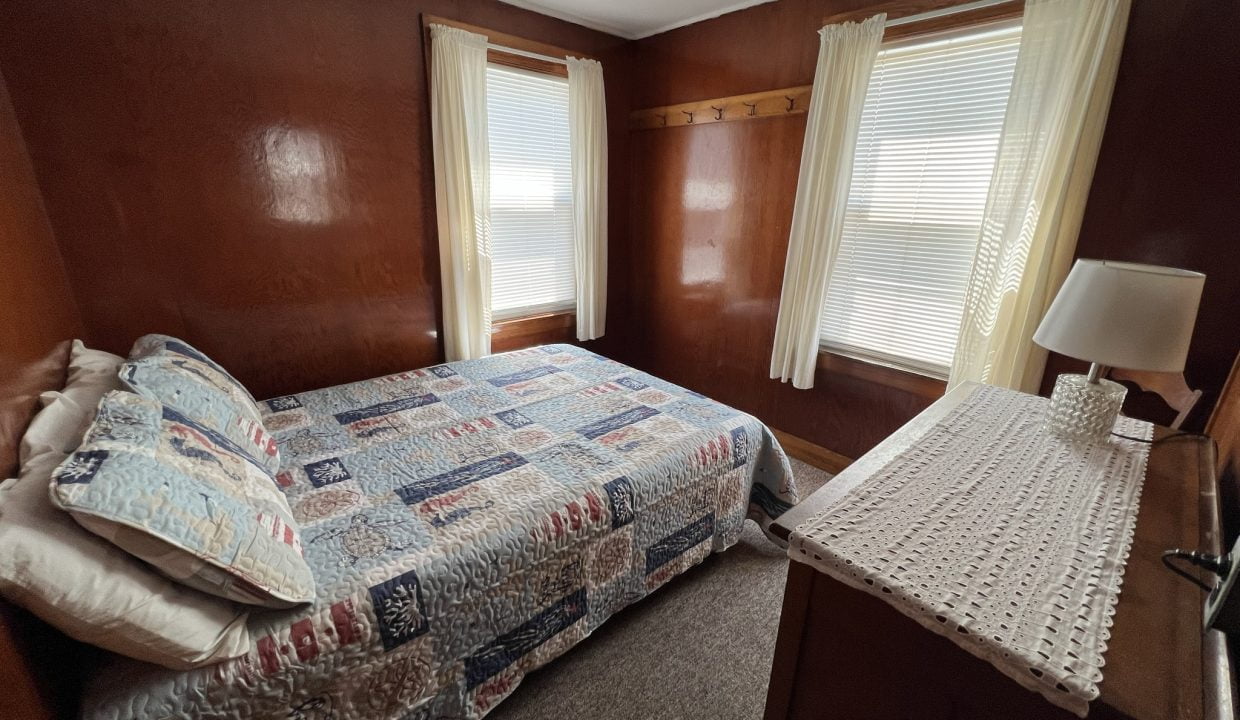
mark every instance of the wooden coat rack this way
{"type": "Point", "coordinates": [786, 101]}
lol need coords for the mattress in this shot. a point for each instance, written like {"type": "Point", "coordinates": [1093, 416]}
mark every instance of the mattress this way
{"type": "Point", "coordinates": [467, 523]}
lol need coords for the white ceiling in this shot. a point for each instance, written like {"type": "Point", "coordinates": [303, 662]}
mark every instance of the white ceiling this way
{"type": "Point", "coordinates": [634, 19]}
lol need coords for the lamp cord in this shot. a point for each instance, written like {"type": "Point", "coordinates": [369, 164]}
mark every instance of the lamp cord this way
{"type": "Point", "coordinates": [1164, 438]}
{"type": "Point", "coordinates": [1218, 565]}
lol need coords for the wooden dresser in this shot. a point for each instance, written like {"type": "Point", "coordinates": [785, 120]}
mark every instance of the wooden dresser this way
{"type": "Point", "coordinates": [842, 653]}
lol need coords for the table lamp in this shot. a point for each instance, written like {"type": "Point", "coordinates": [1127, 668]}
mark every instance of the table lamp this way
{"type": "Point", "coordinates": [1114, 314]}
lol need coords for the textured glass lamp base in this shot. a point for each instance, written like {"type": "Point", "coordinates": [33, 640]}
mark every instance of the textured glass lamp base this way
{"type": "Point", "coordinates": [1084, 411]}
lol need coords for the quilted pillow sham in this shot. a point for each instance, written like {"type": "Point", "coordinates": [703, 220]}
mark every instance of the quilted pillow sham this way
{"type": "Point", "coordinates": [155, 344]}
{"type": "Point", "coordinates": [187, 500]}
{"type": "Point", "coordinates": [172, 372]}
{"type": "Point", "coordinates": [85, 586]}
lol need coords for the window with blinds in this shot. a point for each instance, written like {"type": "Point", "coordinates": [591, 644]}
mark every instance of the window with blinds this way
{"type": "Point", "coordinates": [531, 193]}
{"type": "Point", "coordinates": [928, 138]}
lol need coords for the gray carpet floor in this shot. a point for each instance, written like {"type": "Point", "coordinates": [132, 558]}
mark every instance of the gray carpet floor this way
{"type": "Point", "coordinates": [699, 647]}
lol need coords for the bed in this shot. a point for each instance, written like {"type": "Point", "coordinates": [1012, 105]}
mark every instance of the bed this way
{"type": "Point", "coordinates": [467, 523]}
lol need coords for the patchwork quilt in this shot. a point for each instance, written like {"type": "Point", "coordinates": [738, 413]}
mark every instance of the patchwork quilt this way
{"type": "Point", "coordinates": [467, 523]}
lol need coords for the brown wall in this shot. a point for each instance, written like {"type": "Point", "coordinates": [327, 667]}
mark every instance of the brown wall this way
{"type": "Point", "coordinates": [711, 204]}
{"type": "Point", "coordinates": [254, 176]}
{"type": "Point", "coordinates": [38, 315]}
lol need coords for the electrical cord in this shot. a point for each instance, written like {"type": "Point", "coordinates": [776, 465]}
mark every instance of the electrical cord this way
{"type": "Point", "coordinates": [1219, 565]}
{"type": "Point", "coordinates": [1164, 438]}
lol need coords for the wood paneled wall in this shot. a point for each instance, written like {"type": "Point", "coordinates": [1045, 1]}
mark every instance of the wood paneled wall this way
{"type": "Point", "coordinates": [37, 314]}
{"type": "Point", "coordinates": [255, 175]}
{"type": "Point", "coordinates": [711, 205]}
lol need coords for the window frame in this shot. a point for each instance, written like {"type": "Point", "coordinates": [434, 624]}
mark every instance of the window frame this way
{"type": "Point", "coordinates": [536, 328]}
{"type": "Point", "coordinates": [908, 374]}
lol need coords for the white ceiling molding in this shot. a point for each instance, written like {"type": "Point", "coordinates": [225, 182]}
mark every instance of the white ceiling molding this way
{"type": "Point", "coordinates": [634, 19]}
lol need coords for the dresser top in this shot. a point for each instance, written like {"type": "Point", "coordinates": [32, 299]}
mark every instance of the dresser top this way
{"type": "Point", "coordinates": [1154, 661]}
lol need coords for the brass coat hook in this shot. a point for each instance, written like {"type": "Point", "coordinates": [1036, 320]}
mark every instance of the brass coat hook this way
{"type": "Point", "coordinates": [718, 112]}
{"type": "Point", "coordinates": [690, 116]}
{"type": "Point", "coordinates": [753, 108]}
{"type": "Point", "coordinates": [791, 103]}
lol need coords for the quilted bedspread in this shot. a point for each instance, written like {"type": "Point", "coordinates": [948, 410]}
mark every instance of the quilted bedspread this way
{"type": "Point", "coordinates": [467, 523]}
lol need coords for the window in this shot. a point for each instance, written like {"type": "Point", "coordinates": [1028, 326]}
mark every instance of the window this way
{"type": "Point", "coordinates": [531, 193]}
{"type": "Point", "coordinates": [926, 149]}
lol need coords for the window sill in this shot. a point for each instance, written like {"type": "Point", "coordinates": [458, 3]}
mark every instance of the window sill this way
{"type": "Point", "coordinates": [910, 382]}
{"type": "Point", "coordinates": [539, 329]}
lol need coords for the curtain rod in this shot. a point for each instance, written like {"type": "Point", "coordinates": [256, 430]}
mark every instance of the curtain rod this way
{"type": "Point", "coordinates": [527, 53]}
{"type": "Point", "coordinates": [943, 12]}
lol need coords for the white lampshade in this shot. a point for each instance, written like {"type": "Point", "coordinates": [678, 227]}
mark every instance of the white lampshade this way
{"type": "Point", "coordinates": [1125, 315]}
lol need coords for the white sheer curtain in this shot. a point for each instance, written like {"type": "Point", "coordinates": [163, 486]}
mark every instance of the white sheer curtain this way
{"type": "Point", "coordinates": [462, 188]}
{"type": "Point", "coordinates": [1061, 91]}
{"type": "Point", "coordinates": [846, 56]}
{"type": "Point", "coordinates": [587, 129]}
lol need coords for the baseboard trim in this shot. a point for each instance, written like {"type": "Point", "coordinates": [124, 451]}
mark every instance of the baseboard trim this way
{"type": "Point", "coordinates": [808, 452]}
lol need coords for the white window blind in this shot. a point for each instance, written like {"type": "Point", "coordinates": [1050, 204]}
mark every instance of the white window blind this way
{"type": "Point", "coordinates": [531, 193]}
{"type": "Point", "coordinates": [925, 153]}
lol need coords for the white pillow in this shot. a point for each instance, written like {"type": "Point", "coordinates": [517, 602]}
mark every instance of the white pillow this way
{"type": "Point", "coordinates": [58, 428]}
{"type": "Point", "coordinates": [92, 368]}
{"type": "Point", "coordinates": [88, 587]}
{"type": "Point", "coordinates": [91, 373]}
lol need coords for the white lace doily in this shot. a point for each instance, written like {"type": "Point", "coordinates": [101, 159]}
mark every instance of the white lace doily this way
{"type": "Point", "coordinates": [998, 536]}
